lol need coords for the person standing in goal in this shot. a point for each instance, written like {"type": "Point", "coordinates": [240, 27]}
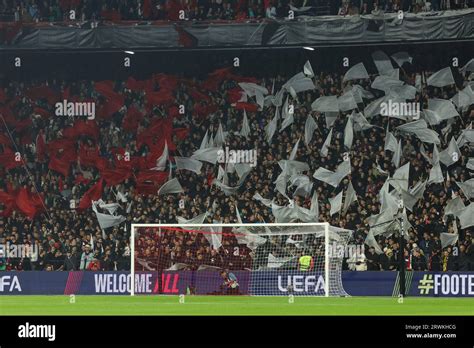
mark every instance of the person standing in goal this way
{"type": "Point", "coordinates": [230, 285]}
{"type": "Point", "coordinates": [305, 263]}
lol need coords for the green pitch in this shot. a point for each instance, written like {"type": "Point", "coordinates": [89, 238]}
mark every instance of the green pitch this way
{"type": "Point", "coordinates": [231, 305]}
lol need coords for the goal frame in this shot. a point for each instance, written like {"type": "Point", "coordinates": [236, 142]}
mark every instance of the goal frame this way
{"type": "Point", "coordinates": [158, 225]}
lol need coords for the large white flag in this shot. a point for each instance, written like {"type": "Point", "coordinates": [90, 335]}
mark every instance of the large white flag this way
{"type": "Point", "coordinates": [171, 186]}
{"type": "Point", "coordinates": [420, 129]}
{"type": "Point", "coordinates": [336, 204]}
{"type": "Point", "coordinates": [308, 69]}
{"type": "Point", "coordinates": [448, 239]}
{"type": "Point", "coordinates": [360, 122]}
{"type": "Point", "coordinates": [347, 102]}
{"type": "Point", "coordinates": [271, 127]}
{"type": "Point", "coordinates": [219, 139]}
{"type": "Point", "coordinates": [385, 83]}
{"type": "Point", "coordinates": [382, 62]}
{"type": "Point", "coordinates": [401, 57]}
{"type": "Point", "coordinates": [348, 133]}
{"type": "Point", "coordinates": [245, 131]}
{"type": "Point", "coordinates": [299, 83]}
{"type": "Point", "coordinates": [333, 178]}
{"type": "Point", "coordinates": [161, 161]}
{"type": "Point", "coordinates": [309, 128]}
{"type": "Point", "coordinates": [351, 197]}
{"type": "Point", "coordinates": [209, 154]}
{"type": "Point", "coordinates": [467, 187]}
{"type": "Point", "coordinates": [326, 104]}
{"type": "Point", "coordinates": [371, 242]}
{"type": "Point", "coordinates": [185, 163]}
{"type": "Point", "coordinates": [197, 220]}
{"type": "Point", "coordinates": [266, 202]}
{"type": "Point", "coordinates": [468, 67]}
{"type": "Point", "coordinates": [294, 151]}
{"type": "Point", "coordinates": [357, 72]}
{"type": "Point", "coordinates": [441, 78]}
{"type": "Point", "coordinates": [397, 155]}
{"type": "Point", "coordinates": [451, 154]}
{"type": "Point", "coordinates": [454, 207]}
{"type": "Point", "coordinates": [106, 220]}
{"type": "Point", "coordinates": [391, 142]}
{"type": "Point", "coordinates": [466, 217]}
{"type": "Point", "coordinates": [324, 150]}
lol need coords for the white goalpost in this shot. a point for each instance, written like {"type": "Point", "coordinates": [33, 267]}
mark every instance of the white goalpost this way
{"type": "Point", "coordinates": [277, 259]}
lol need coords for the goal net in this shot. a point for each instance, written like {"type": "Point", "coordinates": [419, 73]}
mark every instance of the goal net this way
{"type": "Point", "coordinates": [238, 259]}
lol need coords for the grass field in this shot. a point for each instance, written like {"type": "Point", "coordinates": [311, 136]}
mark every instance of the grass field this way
{"type": "Point", "coordinates": [231, 305]}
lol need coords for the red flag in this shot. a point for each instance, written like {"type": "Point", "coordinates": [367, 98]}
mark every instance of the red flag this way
{"type": "Point", "coordinates": [152, 176]}
{"type": "Point", "coordinates": [160, 98]}
{"type": "Point", "coordinates": [132, 119]}
{"type": "Point", "coordinates": [26, 203]}
{"type": "Point", "coordinates": [8, 159]}
{"type": "Point", "coordinates": [181, 133]}
{"type": "Point", "coordinates": [234, 95]}
{"type": "Point", "coordinates": [81, 127]}
{"type": "Point", "coordinates": [115, 176]}
{"type": "Point", "coordinates": [246, 106]}
{"type": "Point", "coordinates": [93, 194]}
{"type": "Point", "coordinates": [59, 165]}
{"type": "Point", "coordinates": [43, 92]}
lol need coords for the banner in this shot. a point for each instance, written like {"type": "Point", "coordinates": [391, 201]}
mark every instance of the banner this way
{"type": "Point", "coordinates": [211, 282]}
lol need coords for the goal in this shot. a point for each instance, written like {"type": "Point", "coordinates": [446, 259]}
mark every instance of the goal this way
{"type": "Point", "coordinates": [303, 259]}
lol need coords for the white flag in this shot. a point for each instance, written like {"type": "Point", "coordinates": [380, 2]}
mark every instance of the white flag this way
{"type": "Point", "coordinates": [466, 217]}
{"type": "Point", "coordinates": [333, 178]}
{"type": "Point", "coordinates": [184, 163]}
{"type": "Point", "coordinates": [309, 128]}
{"type": "Point", "coordinates": [441, 78]}
{"type": "Point", "coordinates": [336, 204]}
{"type": "Point", "coordinates": [467, 187]}
{"type": "Point", "coordinates": [271, 127]}
{"type": "Point", "coordinates": [448, 239]}
{"type": "Point", "coordinates": [351, 197]}
{"type": "Point", "coordinates": [401, 57]}
{"type": "Point", "coordinates": [397, 155]}
{"type": "Point", "coordinates": [324, 150]}
{"type": "Point", "coordinates": [197, 220]}
{"type": "Point", "coordinates": [171, 186]}
{"type": "Point", "coordinates": [382, 62]}
{"type": "Point", "coordinates": [348, 133]}
{"type": "Point", "coordinates": [106, 220]}
{"type": "Point", "coordinates": [451, 154]}
{"type": "Point", "coordinates": [245, 131]}
{"type": "Point", "coordinates": [308, 69]}
{"type": "Point", "coordinates": [219, 139]}
{"type": "Point", "coordinates": [161, 162]}
{"type": "Point", "coordinates": [357, 72]}
{"type": "Point", "coordinates": [294, 151]}
{"type": "Point", "coordinates": [209, 154]}
{"type": "Point", "coordinates": [326, 104]}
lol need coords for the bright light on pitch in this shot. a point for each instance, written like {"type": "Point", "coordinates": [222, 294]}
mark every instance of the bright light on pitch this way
{"type": "Point", "coordinates": [129, 52]}
{"type": "Point", "coordinates": [308, 48]}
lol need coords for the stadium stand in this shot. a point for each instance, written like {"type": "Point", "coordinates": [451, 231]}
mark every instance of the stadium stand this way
{"type": "Point", "coordinates": [168, 10]}
{"type": "Point", "coordinates": [68, 162]}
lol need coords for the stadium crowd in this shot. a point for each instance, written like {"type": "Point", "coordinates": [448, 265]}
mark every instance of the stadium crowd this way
{"type": "Point", "coordinates": [65, 163]}
{"type": "Point", "coordinates": [115, 10]}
